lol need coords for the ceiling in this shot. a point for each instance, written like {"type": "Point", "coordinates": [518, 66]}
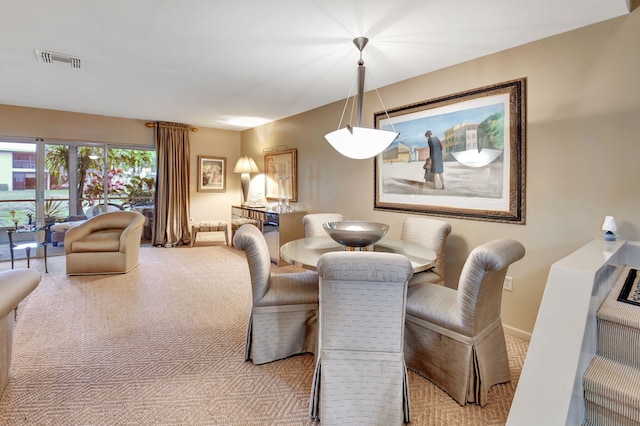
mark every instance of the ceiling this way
{"type": "Point", "coordinates": [207, 63]}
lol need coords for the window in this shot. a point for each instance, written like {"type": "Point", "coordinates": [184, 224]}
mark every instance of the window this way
{"type": "Point", "coordinates": [74, 180]}
{"type": "Point", "coordinates": [24, 180]}
{"type": "Point", "coordinates": [24, 160]}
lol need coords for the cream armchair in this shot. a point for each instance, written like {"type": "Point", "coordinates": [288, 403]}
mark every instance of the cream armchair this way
{"type": "Point", "coordinates": [105, 244]}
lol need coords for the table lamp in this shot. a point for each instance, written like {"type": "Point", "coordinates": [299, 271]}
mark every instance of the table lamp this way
{"type": "Point", "coordinates": [609, 226]}
{"type": "Point", "coordinates": [245, 166]}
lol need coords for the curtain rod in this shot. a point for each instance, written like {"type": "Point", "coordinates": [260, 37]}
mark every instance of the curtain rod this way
{"type": "Point", "coordinates": [193, 129]}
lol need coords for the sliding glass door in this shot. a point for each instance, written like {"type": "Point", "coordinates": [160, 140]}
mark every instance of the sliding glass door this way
{"type": "Point", "coordinates": [55, 182]}
{"type": "Point", "coordinates": [104, 176]}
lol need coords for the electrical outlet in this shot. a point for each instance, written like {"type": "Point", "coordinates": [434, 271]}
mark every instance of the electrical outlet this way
{"type": "Point", "coordinates": [508, 283]}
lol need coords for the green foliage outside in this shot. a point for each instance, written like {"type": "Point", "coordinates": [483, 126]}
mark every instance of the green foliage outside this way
{"type": "Point", "coordinates": [124, 175]}
{"type": "Point", "coordinates": [140, 190]}
{"type": "Point", "coordinates": [131, 182]}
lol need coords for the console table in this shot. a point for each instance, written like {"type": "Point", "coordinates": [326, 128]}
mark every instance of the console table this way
{"type": "Point", "coordinates": [278, 228]}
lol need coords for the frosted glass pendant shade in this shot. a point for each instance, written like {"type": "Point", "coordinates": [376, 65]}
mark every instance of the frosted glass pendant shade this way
{"type": "Point", "coordinates": [360, 143]}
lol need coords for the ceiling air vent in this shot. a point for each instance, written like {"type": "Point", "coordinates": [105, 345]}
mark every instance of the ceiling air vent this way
{"type": "Point", "coordinates": [52, 58]}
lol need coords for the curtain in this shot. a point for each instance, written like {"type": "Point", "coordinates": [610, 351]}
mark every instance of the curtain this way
{"type": "Point", "coordinates": [171, 224]}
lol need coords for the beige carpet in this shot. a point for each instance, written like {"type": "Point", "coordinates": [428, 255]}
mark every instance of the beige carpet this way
{"type": "Point", "coordinates": [164, 345]}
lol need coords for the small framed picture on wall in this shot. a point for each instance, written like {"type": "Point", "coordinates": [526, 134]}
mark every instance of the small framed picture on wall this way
{"type": "Point", "coordinates": [212, 174]}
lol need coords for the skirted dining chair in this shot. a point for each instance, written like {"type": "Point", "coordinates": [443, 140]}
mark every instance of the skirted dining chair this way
{"type": "Point", "coordinates": [431, 233]}
{"type": "Point", "coordinates": [284, 309]}
{"type": "Point", "coordinates": [360, 375]}
{"type": "Point", "coordinates": [455, 338]}
{"type": "Point", "coordinates": [313, 223]}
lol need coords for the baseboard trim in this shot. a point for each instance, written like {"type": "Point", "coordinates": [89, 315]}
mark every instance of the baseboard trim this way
{"type": "Point", "coordinates": [516, 332]}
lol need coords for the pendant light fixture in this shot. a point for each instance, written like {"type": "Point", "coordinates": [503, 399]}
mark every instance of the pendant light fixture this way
{"type": "Point", "coordinates": [355, 141]}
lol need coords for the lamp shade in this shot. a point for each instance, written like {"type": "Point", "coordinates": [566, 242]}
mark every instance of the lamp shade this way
{"type": "Point", "coordinates": [245, 164]}
{"type": "Point", "coordinates": [360, 142]}
{"type": "Point", "coordinates": [609, 224]}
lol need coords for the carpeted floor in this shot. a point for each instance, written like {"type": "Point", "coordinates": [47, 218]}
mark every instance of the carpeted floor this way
{"type": "Point", "coordinates": [164, 345]}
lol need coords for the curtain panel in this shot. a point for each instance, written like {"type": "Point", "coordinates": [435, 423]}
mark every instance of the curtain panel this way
{"type": "Point", "coordinates": [171, 224]}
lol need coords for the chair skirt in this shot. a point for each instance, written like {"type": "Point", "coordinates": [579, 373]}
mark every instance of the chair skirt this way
{"type": "Point", "coordinates": [277, 332]}
{"type": "Point", "coordinates": [95, 263]}
{"type": "Point", "coordinates": [360, 389]}
{"type": "Point", "coordinates": [465, 368]}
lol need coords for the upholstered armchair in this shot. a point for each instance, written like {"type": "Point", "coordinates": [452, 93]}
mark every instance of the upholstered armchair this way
{"type": "Point", "coordinates": [105, 244]}
{"type": "Point", "coordinates": [284, 308]}
{"type": "Point", "coordinates": [15, 285]}
{"type": "Point", "coordinates": [455, 338]}
{"type": "Point", "coordinates": [313, 223]}
{"type": "Point", "coordinates": [360, 375]}
{"type": "Point", "coordinates": [431, 233]}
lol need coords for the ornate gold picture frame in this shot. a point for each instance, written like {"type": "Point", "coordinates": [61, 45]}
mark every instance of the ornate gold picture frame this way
{"type": "Point", "coordinates": [281, 175]}
{"type": "Point", "coordinates": [470, 166]}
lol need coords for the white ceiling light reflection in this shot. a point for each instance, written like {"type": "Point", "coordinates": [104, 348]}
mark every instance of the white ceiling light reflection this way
{"type": "Point", "coordinates": [246, 122]}
{"type": "Point", "coordinates": [475, 158]}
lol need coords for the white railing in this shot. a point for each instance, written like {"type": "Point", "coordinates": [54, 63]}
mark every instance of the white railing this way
{"type": "Point", "coordinates": [564, 337]}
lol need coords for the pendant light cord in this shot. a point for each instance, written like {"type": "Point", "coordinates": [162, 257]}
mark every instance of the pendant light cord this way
{"type": "Point", "coordinates": [382, 103]}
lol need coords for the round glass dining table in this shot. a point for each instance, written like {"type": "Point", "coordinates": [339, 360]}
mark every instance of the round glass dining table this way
{"type": "Point", "coordinates": [305, 252]}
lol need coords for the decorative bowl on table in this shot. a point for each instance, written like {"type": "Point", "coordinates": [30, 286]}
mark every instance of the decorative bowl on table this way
{"type": "Point", "coordinates": [355, 233]}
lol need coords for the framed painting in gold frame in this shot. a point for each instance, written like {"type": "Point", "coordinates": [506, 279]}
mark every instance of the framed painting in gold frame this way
{"type": "Point", "coordinates": [281, 175]}
{"type": "Point", "coordinates": [478, 165]}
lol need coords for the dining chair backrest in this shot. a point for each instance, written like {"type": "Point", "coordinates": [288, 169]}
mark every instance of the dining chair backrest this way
{"type": "Point", "coordinates": [313, 223]}
{"type": "Point", "coordinates": [479, 296]}
{"type": "Point", "coordinates": [362, 300]}
{"type": "Point", "coordinates": [252, 241]}
{"type": "Point", "coordinates": [431, 233]}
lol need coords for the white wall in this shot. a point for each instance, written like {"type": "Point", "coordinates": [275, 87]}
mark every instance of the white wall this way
{"type": "Point", "coordinates": [215, 143]}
